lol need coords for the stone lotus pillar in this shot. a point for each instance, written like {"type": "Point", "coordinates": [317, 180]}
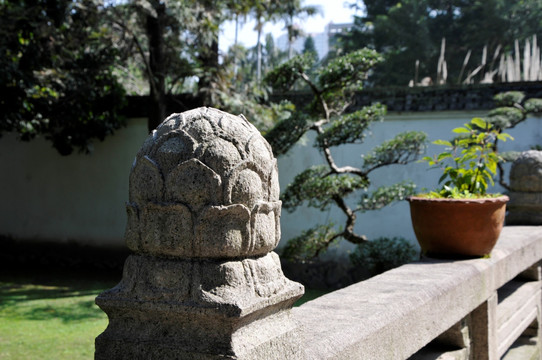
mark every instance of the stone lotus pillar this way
{"type": "Point", "coordinates": [525, 206]}
{"type": "Point", "coordinates": [203, 220]}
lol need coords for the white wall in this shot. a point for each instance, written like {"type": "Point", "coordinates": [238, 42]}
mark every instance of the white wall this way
{"type": "Point", "coordinates": [81, 198]}
{"type": "Point", "coordinates": [393, 220]}
{"type": "Point", "coordinates": [78, 198]}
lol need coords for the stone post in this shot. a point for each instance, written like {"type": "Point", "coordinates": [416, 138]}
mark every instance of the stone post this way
{"type": "Point", "coordinates": [203, 220]}
{"type": "Point", "coordinates": [525, 206]}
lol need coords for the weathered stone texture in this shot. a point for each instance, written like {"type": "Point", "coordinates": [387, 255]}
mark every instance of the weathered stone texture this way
{"type": "Point", "coordinates": [525, 206]}
{"type": "Point", "coordinates": [208, 171]}
{"type": "Point", "coordinates": [203, 219]}
{"type": "Point", "coordinates": [526, 173]}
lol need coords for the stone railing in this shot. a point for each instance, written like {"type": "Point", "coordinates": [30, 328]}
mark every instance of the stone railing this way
{"type": "Point", "coordinates": [476, 307]}
{"type": "Point", "coordinates": [203, 281]}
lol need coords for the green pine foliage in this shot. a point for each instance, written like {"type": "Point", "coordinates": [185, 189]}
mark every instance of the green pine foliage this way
{"type": "Point", "coordinates": [332, 86]}
{"type": "Point", "coordinates": [383, 254]}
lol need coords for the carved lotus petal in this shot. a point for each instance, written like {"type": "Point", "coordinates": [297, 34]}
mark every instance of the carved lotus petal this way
{"type": "Point", "coordinates": [247, 188]}
{"type": "Point", "coordinates": [159, 280]}
{"type": "Point", "coordinates": [221, 156]}
{"type": "Point", "coordinates": [234, 129]}
{"type": "Point", "coordinates": [173, 149]}
{"type": "Point", "coordinates": [166, 230]}
{"type": "Point", "coordinates": [260, 151]}
{"type": "Point", "coordinates": [171, 123]}
{"type": "Point", "coordinates": [265, 233]}
{"type": "Point", "coordinates": [146, 183]}
{"type": "Point", "coordinates": [199, 128]}
{"type": "Point", "coordinates": [226, 281]}
{"type": "Point", "coordinates": [223, 231]}
{"type": "Point", "coordinates": [194, 184]}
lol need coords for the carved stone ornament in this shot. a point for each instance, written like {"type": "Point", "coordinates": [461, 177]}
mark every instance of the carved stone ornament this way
{"type": "Point", "coordinates": [203, 219]}
{"type": "Point", "coordinates": [525, 206]}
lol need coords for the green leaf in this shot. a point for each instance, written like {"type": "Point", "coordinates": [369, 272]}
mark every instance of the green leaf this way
{"type": "Point", "coordinates": [461, 130]}
{"type": "Point", "coordinates": [444, 155]}
{"type": "Point", "coordinates": [442, 142]}
{"type": "Point", "coordinates": [479, 122]}
{"type": "Point", "coordinates": [504, 137]}
{"type": "Point", "coordinates": [533, 106]}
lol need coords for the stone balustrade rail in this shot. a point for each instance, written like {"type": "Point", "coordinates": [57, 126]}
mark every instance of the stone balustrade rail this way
{"type": "Point", "coordinates": [476, 307]}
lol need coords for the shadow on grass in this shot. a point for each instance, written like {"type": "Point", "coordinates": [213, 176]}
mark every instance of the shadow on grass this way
{"type": "Point", "coordinates": [13, 292]}
{"type": "Point", "coordinates": [46, 296]}
{"type": "Point", "coordinates": [75, 311]}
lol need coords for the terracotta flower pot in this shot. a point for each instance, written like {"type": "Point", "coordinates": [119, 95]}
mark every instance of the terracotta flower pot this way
{"type": "Point", "coordinates": [464, 227]}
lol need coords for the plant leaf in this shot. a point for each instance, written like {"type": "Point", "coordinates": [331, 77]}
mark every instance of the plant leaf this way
{"type": "Point", "coordinates": [442, 142]}
{"type": "Point", "coordinates": [461, 130]}
{"type": "Point", "coordinates": [480, 123]}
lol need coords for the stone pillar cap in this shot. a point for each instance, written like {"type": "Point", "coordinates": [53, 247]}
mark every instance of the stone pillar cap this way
{"type": "Point", "coordinates": [204, 185]}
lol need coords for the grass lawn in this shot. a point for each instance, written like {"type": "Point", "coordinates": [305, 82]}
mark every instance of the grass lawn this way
{"type": "Point", "coordinates": [50, 316]}
{"type": "Point", "coordinates": [53, 315]}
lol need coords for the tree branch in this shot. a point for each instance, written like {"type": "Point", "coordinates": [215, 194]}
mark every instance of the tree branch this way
{"type": "Point", "coordinates": [326, 245]}
{"type": "Point", "coordinates": [318, 95]}
{"type": "Point", "coordinates": [348, 232]}
{"type": "Point", "coordinates": [329, 158]}
{"type": "Point", "coordinates": [140, 49]}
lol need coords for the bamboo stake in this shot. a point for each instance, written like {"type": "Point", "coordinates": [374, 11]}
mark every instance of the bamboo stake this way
{"type": "Point", "coordinates": [502, 69]}
{"type": "Point", "coordinates": [517, 70]}
{"type": "Point", "coordinates": [527, 61]}
{"type": "Point", "coordinates": [510, 68]}
{"type": "Point", "coordinates": [536, 66]}
{"type": "Point", "coordinates": [465, 62]}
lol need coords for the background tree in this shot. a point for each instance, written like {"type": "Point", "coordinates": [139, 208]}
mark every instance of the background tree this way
{"type": "Point", "coordinates": [241, 93]}
{"type": "Point", "coordinates": [290, 10]}
{"type": "Point", "coordinates": [332, 184]}
{"type": "Point", "coordinates": [161, 39]}
{"type": "Point", "coordinates": [56, 79]}
{"type": "Point", "coordinates": [176, 42]}
{"type": "Point", "coordinates": [310, 48]}
{"type": "Point", "coordinates": [412, 30]}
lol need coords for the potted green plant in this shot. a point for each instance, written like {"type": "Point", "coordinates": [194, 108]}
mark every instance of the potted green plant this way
{"type": "Point", "coordinates": [461, 218]}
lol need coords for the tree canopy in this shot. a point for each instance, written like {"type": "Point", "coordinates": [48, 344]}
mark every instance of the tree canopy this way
{"type": "Point", "coordinates": [410, 32]}
{"type": "Point", "coordinates": [332, 87]}
{"type": "Point", "coordinates": [62, 61]}
{"type": "Point", "coordinates": [56, 77]}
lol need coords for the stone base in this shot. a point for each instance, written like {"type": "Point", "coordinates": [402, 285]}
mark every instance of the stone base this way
{"type": "Point", "coordinates": [275, 339]}
{"type": "Point", "coordinates": [199, 309]}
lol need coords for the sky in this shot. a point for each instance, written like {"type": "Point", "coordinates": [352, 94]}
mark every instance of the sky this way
{"type": "Point", "coordinates": [336, 11]}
